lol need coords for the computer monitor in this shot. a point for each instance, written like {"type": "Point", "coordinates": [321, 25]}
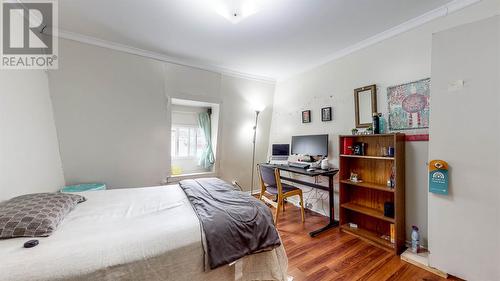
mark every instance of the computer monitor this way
{"type": "Point", "coordinates": [281, 149]}
{"type": "Point", "coordinates": [312, 145]}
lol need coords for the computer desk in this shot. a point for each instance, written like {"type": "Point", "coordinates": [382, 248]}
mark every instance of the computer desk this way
{"type": "Point", "coordinates": [330, 173]}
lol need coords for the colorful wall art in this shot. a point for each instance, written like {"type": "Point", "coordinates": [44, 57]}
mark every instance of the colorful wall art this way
{"type": "Point", "coordinates": [409, 105]}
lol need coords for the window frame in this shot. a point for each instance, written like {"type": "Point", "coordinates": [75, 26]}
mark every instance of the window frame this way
{"type": "Point", "coordinates": [190, 156]}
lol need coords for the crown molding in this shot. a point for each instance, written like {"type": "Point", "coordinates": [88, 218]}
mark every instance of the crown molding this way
{"type": "Point", "coordinates": [442, 11]}
{"type": "Point", "coordinates": [158, 56]}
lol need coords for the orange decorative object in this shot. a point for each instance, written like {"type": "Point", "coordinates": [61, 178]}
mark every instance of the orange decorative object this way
{"type": "Point", "coordinates": [438, 165]}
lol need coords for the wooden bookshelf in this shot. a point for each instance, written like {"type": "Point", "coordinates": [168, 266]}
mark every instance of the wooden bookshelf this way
{"type": "Point", "coordinates": [362, 203]}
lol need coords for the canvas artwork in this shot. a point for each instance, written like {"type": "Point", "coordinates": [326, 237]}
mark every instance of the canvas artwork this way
{"type": "Point", "coordinates": [409, 105]}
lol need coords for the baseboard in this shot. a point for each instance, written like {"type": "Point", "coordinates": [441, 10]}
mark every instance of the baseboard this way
{"type": "Point", "coordinates": [254, 192]}
{"type": "Point", "coordinates": [315, 209]}
{"type": "Point", "coordinates": [178, 178]}
{"type": "Point", "coordinates": [422, 260]}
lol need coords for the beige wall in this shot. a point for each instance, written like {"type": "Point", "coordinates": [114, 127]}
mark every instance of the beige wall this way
{"type": "Point", "coordinates": [240, 97]}
{"type": "Point", "coordinates": [237, 98]}
{"type": "Point", "coordinates": [29, 152]}
{"type": "Point", "coordinates": [404, 58]}
{"type": "Point", "coordinates": [112, 113]}
{"type": "Point", "coordinates": [464, 226]}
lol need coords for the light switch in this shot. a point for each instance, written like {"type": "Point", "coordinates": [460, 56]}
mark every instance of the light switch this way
{"type": "Point", "coordinates": [456, 86]}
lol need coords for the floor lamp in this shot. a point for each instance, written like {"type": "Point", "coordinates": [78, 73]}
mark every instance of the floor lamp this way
{"type": "Point", "coordinates": [253, 150]}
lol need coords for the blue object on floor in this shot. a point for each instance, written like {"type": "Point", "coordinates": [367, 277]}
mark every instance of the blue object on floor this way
{"type": "Point", "coordinates": [84, 187]}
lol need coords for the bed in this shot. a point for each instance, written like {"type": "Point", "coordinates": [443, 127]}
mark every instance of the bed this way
{"type": "Point", "coordinates": [149, 233]}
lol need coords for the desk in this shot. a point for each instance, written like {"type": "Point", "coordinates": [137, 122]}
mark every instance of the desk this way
{"type": "Point", "coordinates": [326, 173]}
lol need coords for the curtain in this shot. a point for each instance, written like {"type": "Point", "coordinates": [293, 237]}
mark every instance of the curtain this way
{"type": "Point", "coordinates": [207, 159]}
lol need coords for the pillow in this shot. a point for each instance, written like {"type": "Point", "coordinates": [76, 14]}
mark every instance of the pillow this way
{"type": "Point", "coordinates": [35, 215]}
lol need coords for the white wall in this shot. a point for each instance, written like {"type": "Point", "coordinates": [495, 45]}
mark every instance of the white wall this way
{"type": "Point", "coordinates": [111, 116]}
{"type": "Point", "coordinates": [464, 226]}
{"type": "Point", "coordinates": [29, 152]}
{"type": "Point", "coordinates": [112, 112]}
{"type": "Point", "coordinates": [404, 58]}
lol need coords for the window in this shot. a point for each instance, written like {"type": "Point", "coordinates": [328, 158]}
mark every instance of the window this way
{"type": "Point", "coordinates": [187, 141]}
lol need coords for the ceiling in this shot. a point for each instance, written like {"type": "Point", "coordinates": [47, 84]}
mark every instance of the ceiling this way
{"type": "Point", "coordinates": [284, 37]}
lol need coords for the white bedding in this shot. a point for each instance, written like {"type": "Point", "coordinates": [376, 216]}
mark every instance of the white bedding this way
{"type": "Point", "coordinates": [129, 234]}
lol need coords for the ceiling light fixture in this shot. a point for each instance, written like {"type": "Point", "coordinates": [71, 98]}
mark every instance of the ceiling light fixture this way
{"type": "Point", "coordinates": [237, 10]}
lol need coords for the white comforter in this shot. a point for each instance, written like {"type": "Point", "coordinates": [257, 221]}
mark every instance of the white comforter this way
{"type": "Point", "coordinates": [129, 234]}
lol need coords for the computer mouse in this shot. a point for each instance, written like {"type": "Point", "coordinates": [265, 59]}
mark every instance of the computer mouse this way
{"type": "Point", "coordinates": [31, 243]}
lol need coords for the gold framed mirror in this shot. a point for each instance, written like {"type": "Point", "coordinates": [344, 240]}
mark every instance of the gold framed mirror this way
{"type": "Point", "coordinates": [365, 104]}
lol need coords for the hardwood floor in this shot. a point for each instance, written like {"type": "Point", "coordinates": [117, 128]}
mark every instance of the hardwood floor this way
{"type": "Point", "coordinates": [338, 256]}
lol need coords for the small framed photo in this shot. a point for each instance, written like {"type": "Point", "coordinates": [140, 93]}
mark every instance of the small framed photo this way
{"type": "Point", "coordinates": [326, 114]}
{"type": "Point", "coordinates": [306, 116]}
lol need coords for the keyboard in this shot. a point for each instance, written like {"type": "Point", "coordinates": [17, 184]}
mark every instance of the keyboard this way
{"type": "Point", "coordinates": [279, 162]}
{"type": "Point", "coordinates": [299, 165]}
{"type": "Point", "coordinates": [279, 158]}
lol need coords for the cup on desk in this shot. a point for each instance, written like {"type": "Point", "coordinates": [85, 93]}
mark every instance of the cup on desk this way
{"type": "Point", "coordinates": [324, 164]}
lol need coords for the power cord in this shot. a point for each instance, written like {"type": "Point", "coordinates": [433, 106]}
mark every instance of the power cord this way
{"type": "Point", "coordinates": [235, 184]}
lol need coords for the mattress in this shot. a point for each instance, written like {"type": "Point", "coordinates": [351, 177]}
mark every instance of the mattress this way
{"type": "Point", "coordinates": [149, 233]}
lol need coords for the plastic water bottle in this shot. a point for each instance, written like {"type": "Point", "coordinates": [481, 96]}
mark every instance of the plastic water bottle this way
{"type": "Point", "coordinates": [381, 123]}
{"type": "Point", "coordinates": [415, 239]}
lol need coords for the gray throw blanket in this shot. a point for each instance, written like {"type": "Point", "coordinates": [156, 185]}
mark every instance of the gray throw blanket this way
{"type": "Point", "coordinates": [235, 224]}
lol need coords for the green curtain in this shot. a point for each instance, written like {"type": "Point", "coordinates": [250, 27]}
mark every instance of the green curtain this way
{"type": "Point", "coordinates": [207, 159]}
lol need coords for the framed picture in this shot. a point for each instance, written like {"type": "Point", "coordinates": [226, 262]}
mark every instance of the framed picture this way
{"type": "Point", "coordinates": [326, 114]}
{"type": "Point", "coordinates": [306, 116]}
{"type": "Point", "coordinates": [365, 104]}
{"type": "Point", "coordinates": [409, 105]}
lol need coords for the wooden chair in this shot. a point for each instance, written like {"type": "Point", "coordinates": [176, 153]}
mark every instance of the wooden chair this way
{"type": "Point", "coordinates": [270, 182]}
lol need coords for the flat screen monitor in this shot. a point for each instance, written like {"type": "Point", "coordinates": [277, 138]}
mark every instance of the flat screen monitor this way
{"type": "Point", "coordinates": [312, 145]}
{"type": "Point", "coordinates": [281, 149]}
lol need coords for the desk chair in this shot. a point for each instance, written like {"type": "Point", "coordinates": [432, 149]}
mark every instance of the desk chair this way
{"type": "Point", "coordinates": [270, 182]}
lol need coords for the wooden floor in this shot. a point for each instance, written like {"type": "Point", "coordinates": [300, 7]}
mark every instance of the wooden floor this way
{"type": "Point", "coordinates": [338, 256]}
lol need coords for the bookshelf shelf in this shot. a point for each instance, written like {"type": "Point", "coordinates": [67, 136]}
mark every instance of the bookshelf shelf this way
{"type": "Point", "coordinates": [368, 185]}
{"type": "Point", "coordinates": [374, 213]}
{"type": "Point", "coordinates": [369, 236]}
{"type": "Point", "coordinates": [368, 157]}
